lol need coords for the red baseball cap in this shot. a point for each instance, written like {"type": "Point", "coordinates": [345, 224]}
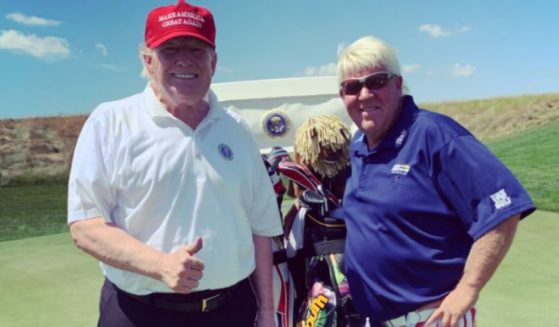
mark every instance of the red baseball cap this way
{"type": "Point", "coordinates": [182, 19]}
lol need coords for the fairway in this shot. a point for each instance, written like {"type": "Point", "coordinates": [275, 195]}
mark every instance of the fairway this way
{"type": "Point", "coordinates": [46, 281]}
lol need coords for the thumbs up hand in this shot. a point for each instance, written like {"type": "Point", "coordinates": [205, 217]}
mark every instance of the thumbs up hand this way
{"type": "Point", "coordinates": [181, 270]}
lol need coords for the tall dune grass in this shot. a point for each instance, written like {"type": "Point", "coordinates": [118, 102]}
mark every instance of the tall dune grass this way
{"type": "Point", "coordinates": [496, 118]}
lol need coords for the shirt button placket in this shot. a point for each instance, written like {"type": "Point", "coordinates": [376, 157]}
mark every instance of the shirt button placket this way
{"type": "Point", "coordinates": [196, 141]}
{"type": "Point", "coordinates": [363, 173]}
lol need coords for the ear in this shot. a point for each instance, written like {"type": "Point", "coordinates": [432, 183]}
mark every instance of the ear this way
{"type": "Point", "coordinates": [148, 62]}
{"type": "Point", "coordinates": [399, 82]}
{"type": "Point", "coordinates": [214, 61]}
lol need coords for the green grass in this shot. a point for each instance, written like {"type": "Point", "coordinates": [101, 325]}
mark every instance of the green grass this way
{"type": "Point", "coordinates": [37, 176]}
{"type": "Point", "coordinates": [533, 156]}
{"type": "Point", "coordinates": [27, 211]}
{"type": "Point", "coordinates": [46, 281]}
{"type": "Point", "coordinates": [525, 288]}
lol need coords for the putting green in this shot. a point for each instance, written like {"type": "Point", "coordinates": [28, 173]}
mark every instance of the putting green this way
{"type": "Point", "coordinates": [525, 289]}
{"type": "Point", "coordinates": [46, 281]}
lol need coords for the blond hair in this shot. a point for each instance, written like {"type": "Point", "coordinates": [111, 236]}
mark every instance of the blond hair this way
{"type": "Point", "coordinates": [367, 52]}
{"type": "Point", "coordinates": [144, 51]}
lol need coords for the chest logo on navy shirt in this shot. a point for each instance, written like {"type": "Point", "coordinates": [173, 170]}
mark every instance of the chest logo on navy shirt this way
{"type": "Point", "coordinates": [225, 151]}
{"type": "Point", "coordinates": [400, 169]}
{"type": "Point", "coordinates": [500, 199]}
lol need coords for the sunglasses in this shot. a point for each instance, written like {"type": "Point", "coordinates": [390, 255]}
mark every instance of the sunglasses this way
{"type": "Point", "coordinates": [374, 81]}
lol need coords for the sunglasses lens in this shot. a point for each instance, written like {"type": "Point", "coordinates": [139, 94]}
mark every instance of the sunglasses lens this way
{"type": "Point", "coordinates": [352, 87]}
{"type": "Point", "coordinates": [375, 82]}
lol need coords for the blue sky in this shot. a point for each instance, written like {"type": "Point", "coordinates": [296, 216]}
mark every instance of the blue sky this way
{"type": "Point", "coordinates": [65, 57]}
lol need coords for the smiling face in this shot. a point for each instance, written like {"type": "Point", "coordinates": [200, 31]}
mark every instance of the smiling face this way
{"type": "Point", "coordinates": [181, 70]}
{"type": "Point", "coordinates": [374, 111]}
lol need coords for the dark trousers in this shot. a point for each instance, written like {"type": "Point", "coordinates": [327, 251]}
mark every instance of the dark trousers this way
{"type": "Point", "coordinates": [117, 309]}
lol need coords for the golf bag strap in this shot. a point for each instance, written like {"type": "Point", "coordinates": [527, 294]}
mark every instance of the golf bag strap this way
{"type": "Point", "coordinates": [280, 257]}
{"type": "Point", "coordinates": [329, 247]}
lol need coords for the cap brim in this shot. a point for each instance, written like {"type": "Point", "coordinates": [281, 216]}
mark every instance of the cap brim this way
{"type": "Point", "coordinates": [174, 34]}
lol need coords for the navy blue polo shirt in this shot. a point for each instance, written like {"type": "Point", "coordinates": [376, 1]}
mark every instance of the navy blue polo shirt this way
{"type": "Point", "coordinates": [413, 207]}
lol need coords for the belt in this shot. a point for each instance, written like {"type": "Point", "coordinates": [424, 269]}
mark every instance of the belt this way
{"type": "Point", "coordinates": [280, 256]}
{"type": "Point", "coordinates": [418, 318]}
{"type": "Point", "coordinates": [202, 301]}
{"type": "Point", "coordinates": [412, 318]}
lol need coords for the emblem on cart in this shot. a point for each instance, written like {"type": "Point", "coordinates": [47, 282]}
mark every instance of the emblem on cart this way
{"type": "Point", "coordinates": [275, 123]}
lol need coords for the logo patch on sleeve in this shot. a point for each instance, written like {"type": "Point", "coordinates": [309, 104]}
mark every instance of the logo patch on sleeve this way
{"type": "Point", "coordinates": [501, 199]}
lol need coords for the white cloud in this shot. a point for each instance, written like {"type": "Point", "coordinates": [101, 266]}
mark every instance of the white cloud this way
{"type": "Point", "coordinates": [459, 70]}
{"type": "Point", "coordinates": [32, 20]}
{"type": "Point", "coordinates": [410, 68]}
{"type": "Point", "coordinates": [434, 30]}
{"type": "Point", "coordinates": [102, 49]}
{"type": "Point", "coordinates": [323, 70]}
{"type": "Point", "coordinates": [225, 70]}
{"type": "Point", "coordinates": [48, 47]}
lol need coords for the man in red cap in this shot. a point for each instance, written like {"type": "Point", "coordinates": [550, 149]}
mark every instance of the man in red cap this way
{"type": "Point", "coordinates": [167, 190]}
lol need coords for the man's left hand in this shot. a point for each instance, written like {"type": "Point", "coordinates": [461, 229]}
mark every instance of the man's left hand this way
{"type": "Point", "coordinates": [453, 307]}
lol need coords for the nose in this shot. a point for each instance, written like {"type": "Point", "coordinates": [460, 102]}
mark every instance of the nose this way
{"type": "Point", "coordinates": [181, 63]}
{"type": "Point", "coordinates": [184, 58]}
{"type": "Point", "coordinates": [365, 93]}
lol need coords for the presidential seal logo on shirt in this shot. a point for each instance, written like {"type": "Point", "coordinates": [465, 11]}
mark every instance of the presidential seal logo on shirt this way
{"type": "Point", "coordinates": [275, 123]}
{"type": "Point", "coordinates": [225, 151]}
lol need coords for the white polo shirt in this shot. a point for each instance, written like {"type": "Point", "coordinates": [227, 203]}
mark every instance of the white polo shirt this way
{"type": "Point", "coordinates": [142, 169]}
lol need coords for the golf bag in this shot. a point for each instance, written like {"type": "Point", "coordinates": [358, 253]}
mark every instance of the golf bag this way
{"type": "Point", "coordinates": [315, 247]}
{"type": "Point", "coordinates": [283, 291]}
